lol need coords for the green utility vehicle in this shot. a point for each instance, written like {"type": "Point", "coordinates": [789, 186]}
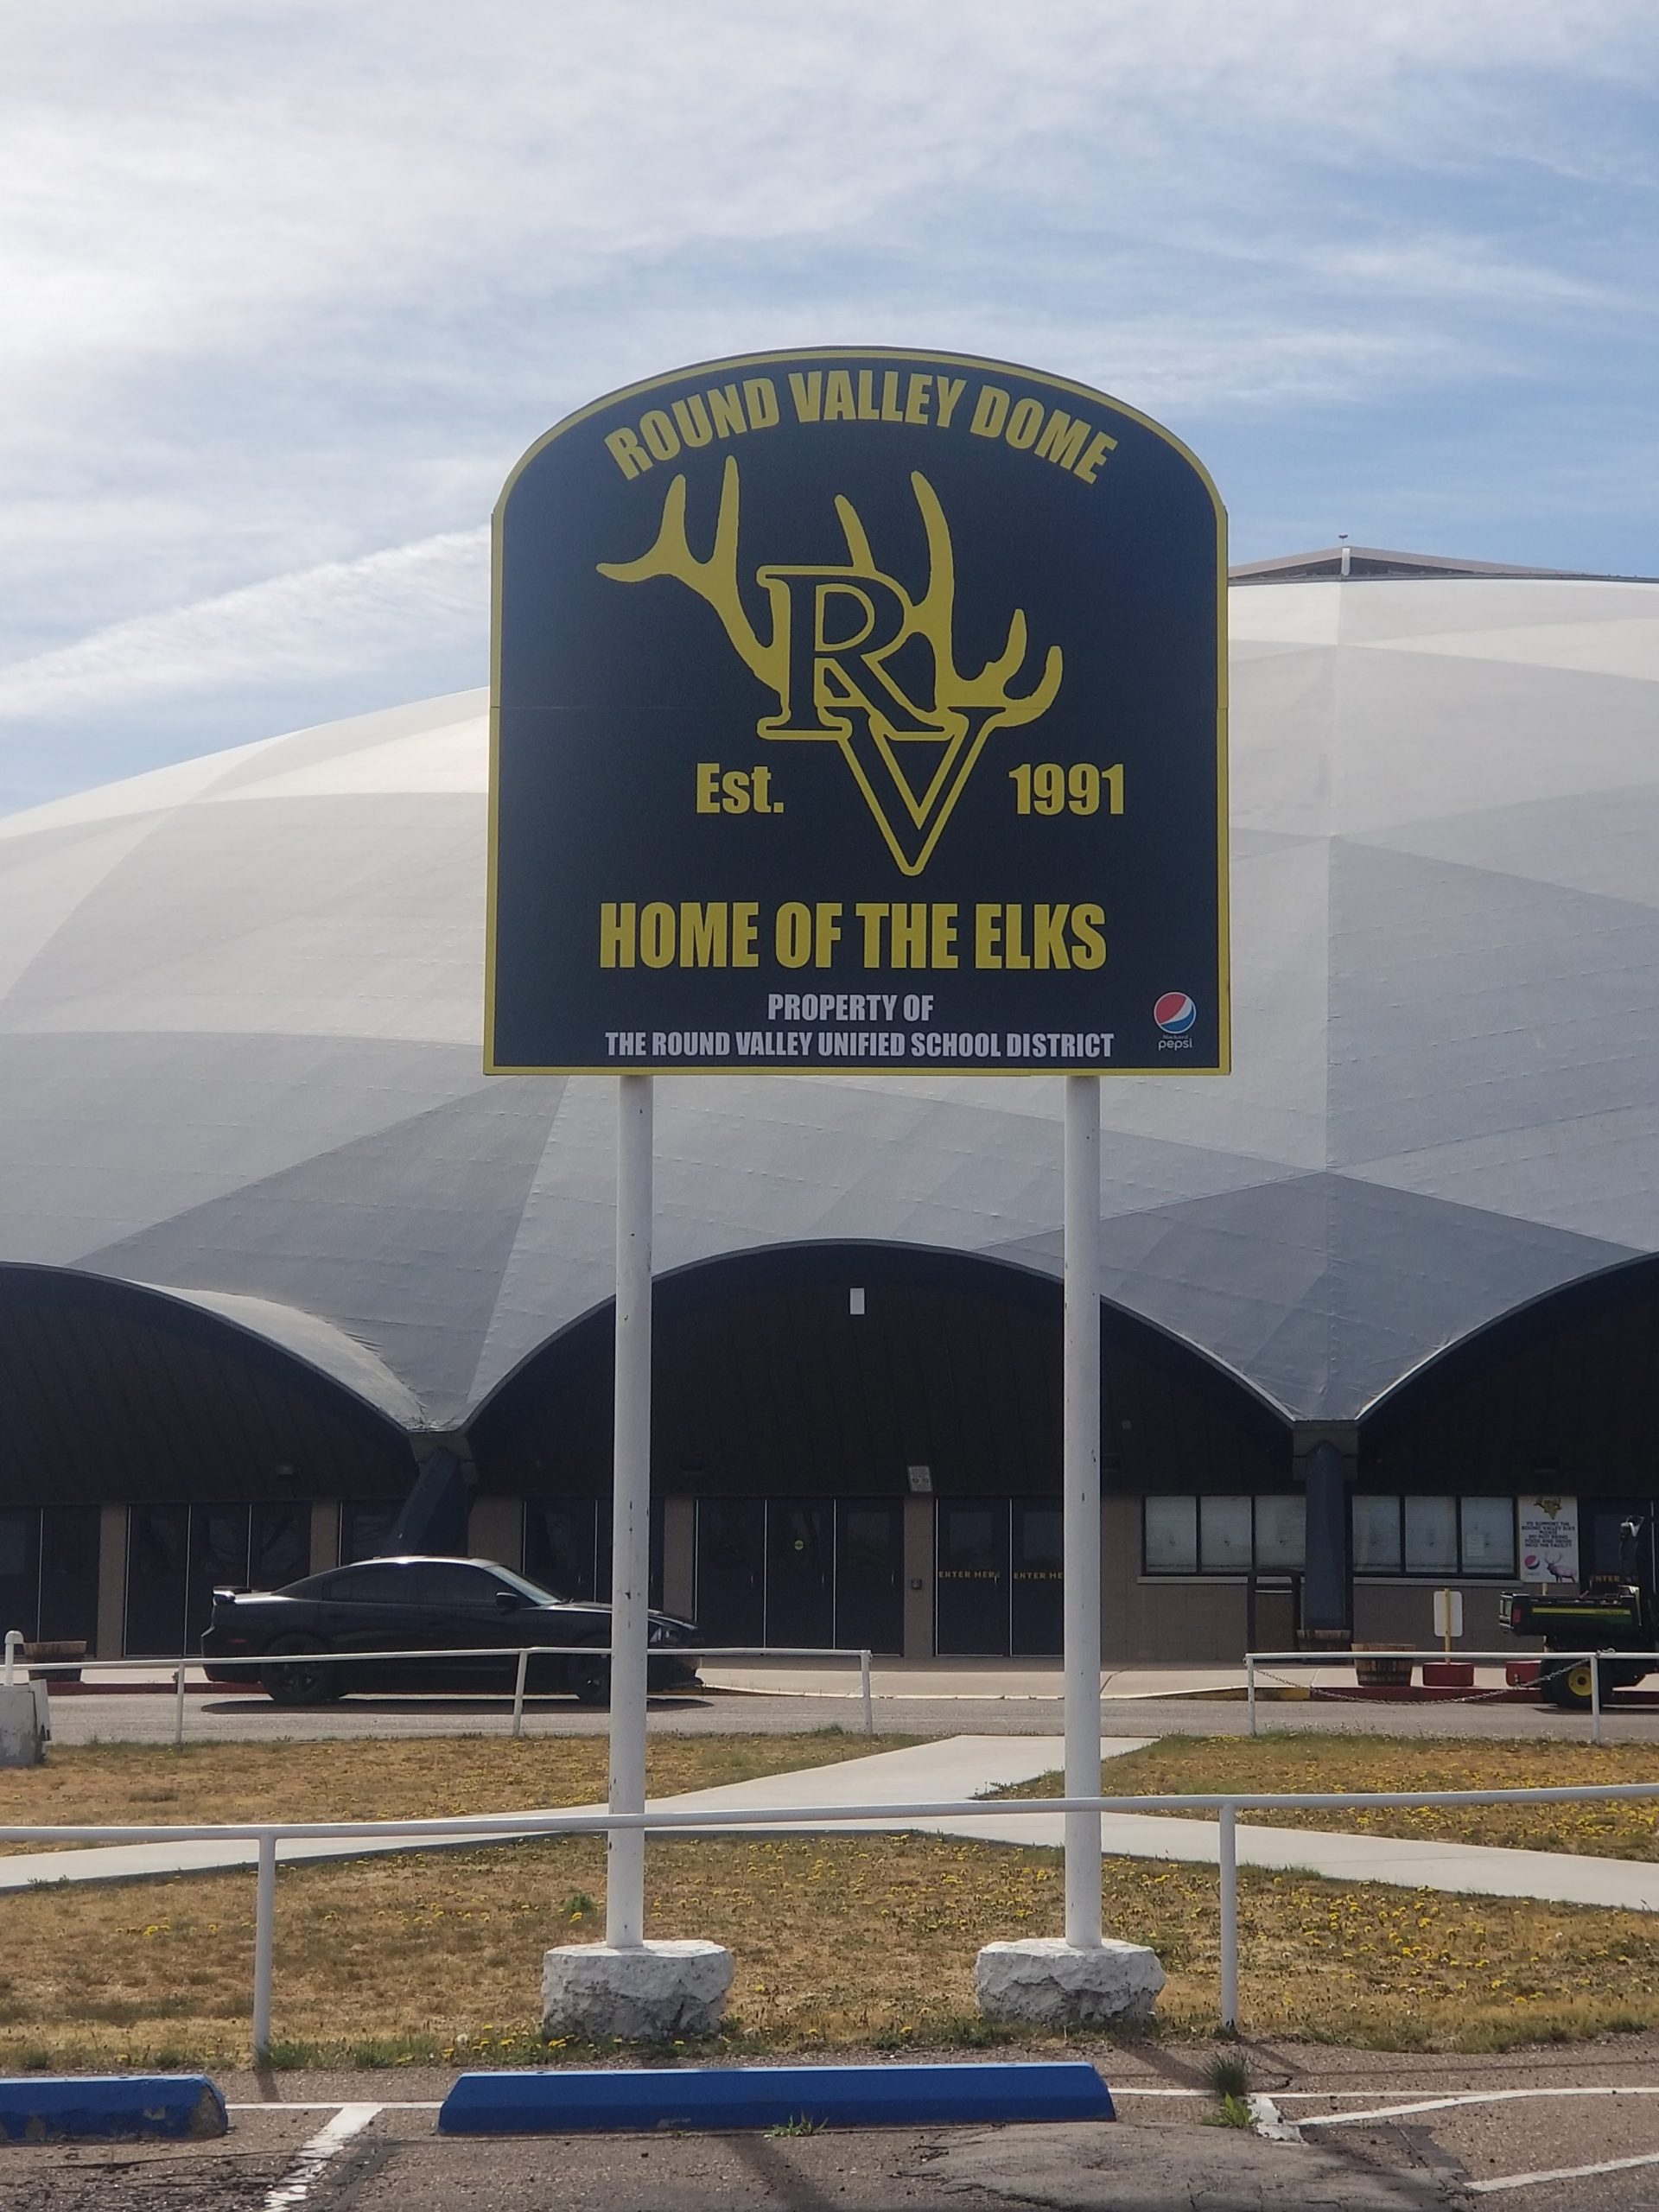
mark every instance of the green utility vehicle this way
{"type": "Point", "coordinates": [1610, 1613]}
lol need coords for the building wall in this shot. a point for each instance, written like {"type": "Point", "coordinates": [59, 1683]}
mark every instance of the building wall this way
{"type": "Point", "coordinates": [1147, 1621]}
{"type": "Point", "coordinates": [1402, 1612]}
{"type": "Point", "coordinates": [495, 1529]}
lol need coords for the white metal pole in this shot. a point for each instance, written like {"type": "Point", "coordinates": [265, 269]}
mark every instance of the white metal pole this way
{"type": "Point", "coordinates": [14, 1645]}
{"type": "Point", "coordinates": [1228, 1854]}
{"type": "Point", "coordinates": [178, 1707]}
{"type": "Point", "coordinates": [1595, 1698]}
{"type": "Point", "coordinates": [264, 1931]}
{"type": "Point", "coordinates": [625, 1891]}
{"type": "Point", "coordinates": [1249, 1688]}
{"type": "Point", "coordinates": [519, 1691]}
{"type": "Point", "coordinates": [864, 1686]}
{"type": "Point", "coordinates": [1081, 1477]}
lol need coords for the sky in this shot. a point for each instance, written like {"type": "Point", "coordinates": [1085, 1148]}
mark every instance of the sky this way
{"type": "Point", "coordinates": [285, 290]}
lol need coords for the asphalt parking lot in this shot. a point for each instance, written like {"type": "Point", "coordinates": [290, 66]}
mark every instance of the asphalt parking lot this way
{"type": "Point", "coordinates": [1561, 2131]}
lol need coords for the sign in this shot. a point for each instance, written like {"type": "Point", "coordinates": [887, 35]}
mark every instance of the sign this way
{"type": "Point", "coordinates": [858, 711]}
{"type": "Point", "coordinates": [1548, 1531]}
{"type": "Point", "coordinates": [1448, 1614]}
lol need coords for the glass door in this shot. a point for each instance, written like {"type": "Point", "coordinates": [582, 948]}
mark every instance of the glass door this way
{"type": "Point", "coordinates": [69, 1573]}
{"type": "Point", "coordinates": [1036, 1603]}
{"type": "Point", "coordinates": [869, 1575]}
{"type": "Point", "coordinates": [800, 1572]}
{"type": "Point", "coordinates": [562, 1545]}
{"type": "Point", "coordinates": [732, 1569]}
{"type": "Point", "coordinates": [158, 1543]}
{"type": "Point", "coordinates": [971, 1578]}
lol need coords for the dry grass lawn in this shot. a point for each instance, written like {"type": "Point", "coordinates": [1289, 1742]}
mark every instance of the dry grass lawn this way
{"type": "Point", "coordinates": [1628, 1830]}
{"type": "Point", "coordinates": [841, 1942]}
{"type": "Point", "coordinates": [419, 1778]}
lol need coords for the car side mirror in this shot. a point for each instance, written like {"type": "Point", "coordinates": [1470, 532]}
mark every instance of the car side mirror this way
{"type": "Point", "coordinates": [506, 1601]}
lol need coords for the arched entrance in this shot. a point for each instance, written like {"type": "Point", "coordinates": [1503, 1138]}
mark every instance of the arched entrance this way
{"type": "Point", "coordinates": [156, 1449]}
{"type": "Point", "coordinates": [860, 1444]}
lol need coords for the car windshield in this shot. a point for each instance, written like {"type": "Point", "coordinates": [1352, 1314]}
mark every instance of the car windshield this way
{"type": "Point", "coordinates": [535, 1593]}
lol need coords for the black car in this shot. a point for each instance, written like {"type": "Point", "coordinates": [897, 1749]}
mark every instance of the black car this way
{"type": "Point", "coordinates": [425, 1605]}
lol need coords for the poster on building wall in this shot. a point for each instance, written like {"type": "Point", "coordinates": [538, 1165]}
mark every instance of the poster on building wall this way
{"type": "Point", "coordinates": [1548, 1533]}
{"type": "Point", "coordinates": [858, 711]}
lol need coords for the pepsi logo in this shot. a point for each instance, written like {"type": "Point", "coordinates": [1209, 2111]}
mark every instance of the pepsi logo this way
{"type": "Point", "coordinates": [1174, 1014]}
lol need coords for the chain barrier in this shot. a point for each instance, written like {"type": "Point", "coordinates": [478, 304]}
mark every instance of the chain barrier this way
{"type": "Point", "coordinates": [1607, 1670]}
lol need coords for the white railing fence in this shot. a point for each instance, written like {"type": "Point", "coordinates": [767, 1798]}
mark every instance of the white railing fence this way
{"type": "Point", "coordinates": [515, 1828]}
{"type": "Point", "coordinates": [1549, 1663]}
{"type": "Point", "coordinates": [272, 1662]}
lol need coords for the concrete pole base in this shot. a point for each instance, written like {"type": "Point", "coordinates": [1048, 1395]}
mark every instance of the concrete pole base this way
{"type": "Point", "coordinates": [1043, 1981]}
{"type": "Point", "coordinates": [648, 1995]}
{"type": "Point", "coordinates": [24, 1725]}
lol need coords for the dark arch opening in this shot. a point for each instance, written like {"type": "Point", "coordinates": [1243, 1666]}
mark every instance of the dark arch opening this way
{"type": "Point", "coordinates": [765, 1382]}
{"type": "Point", "coordinates": [213, 1440]}
{"type": "Point", "coordinates": [1561, 1393]}
{"type": "Point", "coordinates": [116, 1393]}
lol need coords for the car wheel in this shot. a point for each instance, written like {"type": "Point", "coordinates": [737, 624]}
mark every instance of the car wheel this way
{"type": "Point", "coordinates": [590, 1681]}
{"type": "Point", "coordinates": [299, 1684]}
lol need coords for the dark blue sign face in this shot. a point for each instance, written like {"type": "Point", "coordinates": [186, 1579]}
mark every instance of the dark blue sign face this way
{"type": "Point", "coordinates": [858, 712]}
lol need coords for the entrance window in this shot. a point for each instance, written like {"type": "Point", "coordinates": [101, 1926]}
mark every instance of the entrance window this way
{"type": "Point", "coordinates": [800, 1596]}
{"type": "Point", "coordinates": [158, 1544]}
{"type": "Point", "coordinates": [365, 1530]}
{"type": "Point", "coordinates": [178, 1556]}
{"type": "Point", "coordinates": [1488, 1529]}
{"type": "Point", "coordinates": [782, 1572]}
{"type": "Point", "coordinates": [869, 1575]}
{"type": "Point", "coordinates": [20, 1593]}
{"type": "Point", "coordinates": [1464, 1537]}
{"type": "Point", "coordinates": [562, 1545]}
{"type": "Point", "coordinates": [1281, 1533]}
{"type": "Point", "coordinates": [732, 1569]}
{"type": "Point", "coordinates": [972, 1577]}
{"type": "Point", "coordinates": [1224, 1535]}
{"type": "Point", "coordinates": [568, 1548]}
{"type": "Point", "coordinates": [1431, 1535]}
{"type": "Point", "coordinates": [1376, 1536]}
{"type": "Point", "coordinates": [1037, 1605]}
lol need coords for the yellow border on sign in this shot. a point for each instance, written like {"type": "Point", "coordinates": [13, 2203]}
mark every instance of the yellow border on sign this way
{"type": "Point", "coordinates": [1224, 962]}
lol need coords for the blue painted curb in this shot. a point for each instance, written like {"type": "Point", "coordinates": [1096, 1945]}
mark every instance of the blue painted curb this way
{"type": "Point", "coordinates": [584, 2100]}
{"type": "Point", "coordinates": [109, 2107]}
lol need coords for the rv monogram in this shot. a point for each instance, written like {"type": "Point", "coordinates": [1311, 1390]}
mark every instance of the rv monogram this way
{"type": "Point", "coordinates": [838, 635]}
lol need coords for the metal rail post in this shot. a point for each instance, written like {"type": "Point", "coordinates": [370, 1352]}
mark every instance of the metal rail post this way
{"type": "Point", "coordinates": [1595, 1697]}
{"type": "Point", "coordinates": [519, 1691]}
{"type": "Point", "coordinates": [625, 1882]}
{"type": "Point", "coordinates": [14, 1639]}
{"type": "Point", "coordinates": [1228, 1854]}
{"type": "Point", "coordinates": [264, 1938]}
{"type": "Point", "coordinates": [1081, 1476]}
{"type": "Point", "coordinates": [178, 1707]}
{"type": "Point", "coordinates": [864, 1684]}
{"type": "Point", "coordinates": [1249, 1690]}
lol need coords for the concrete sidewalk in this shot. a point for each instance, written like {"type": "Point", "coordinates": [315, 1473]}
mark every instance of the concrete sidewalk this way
{"type": "Point", "coordinates": [958, 1767]}
{"type": "Point", "coordinates": [966, 1766]}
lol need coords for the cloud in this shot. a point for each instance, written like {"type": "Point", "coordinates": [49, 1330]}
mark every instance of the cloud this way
{"type": "Point", "coordinates": [288, 284]}
{"type": "Point", "coordinates": [338, 617]}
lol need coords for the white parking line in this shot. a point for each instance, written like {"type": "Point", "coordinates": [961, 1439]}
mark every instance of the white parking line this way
{"type": "Point", "coordinates": [1269, 2122]}
{"type": "Point", "coordinates": [1461, 2097]}
{"type": "Point", "coordinates": [1562, 2173]}
{"type": "Point", "coordinates": [311, 2157]}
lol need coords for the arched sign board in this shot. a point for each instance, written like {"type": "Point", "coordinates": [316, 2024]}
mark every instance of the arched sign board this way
{"type": "Point", "coordinates": [858, 712]}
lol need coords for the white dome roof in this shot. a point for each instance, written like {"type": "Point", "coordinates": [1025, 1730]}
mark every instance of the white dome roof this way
{"type": "Point", "coordinates": [240, 1035]}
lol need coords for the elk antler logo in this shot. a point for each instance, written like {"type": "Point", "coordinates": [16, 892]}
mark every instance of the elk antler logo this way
{"type": "Point", "coordinates": [838, 631]}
